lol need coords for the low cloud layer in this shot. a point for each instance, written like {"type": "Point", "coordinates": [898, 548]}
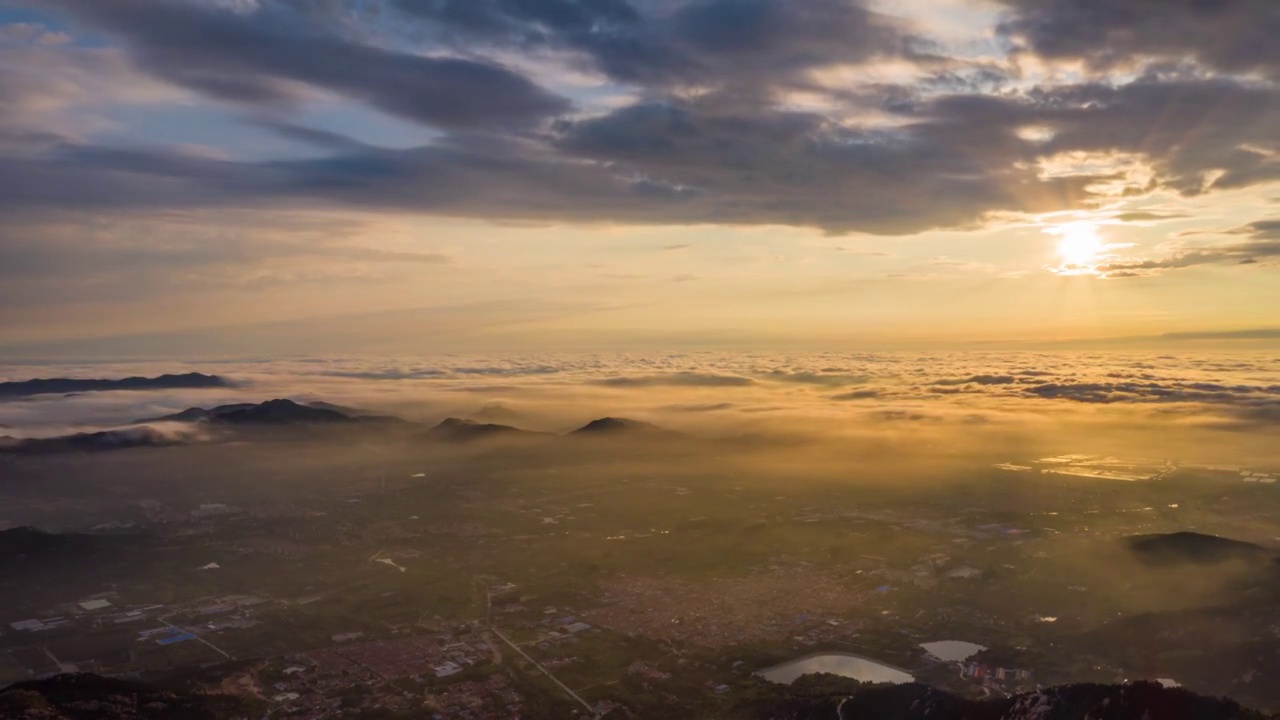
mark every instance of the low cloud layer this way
{"type": "Point", "coordinates": [718, 394]}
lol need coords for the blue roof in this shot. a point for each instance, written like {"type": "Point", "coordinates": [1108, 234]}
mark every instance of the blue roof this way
{"type": "Point", "coordinates": [176, 639]}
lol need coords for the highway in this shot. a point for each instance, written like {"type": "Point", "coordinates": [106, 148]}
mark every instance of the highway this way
{"type": "Point", "coordinates": [546, 672]}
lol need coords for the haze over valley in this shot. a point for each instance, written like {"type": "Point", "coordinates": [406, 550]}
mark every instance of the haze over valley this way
{"type": "Point", "coordinates": [638, 527]}
{"type": "Point", "coordinates": [639, 359]}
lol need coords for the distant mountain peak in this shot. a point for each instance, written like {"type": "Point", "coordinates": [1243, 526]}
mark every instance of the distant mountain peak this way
{"type": "Point", "coordinates": [278, 411]}
{"type": "Point", "coordinates": [455, 428]}
{"type": "Point", "coordinates": [115, 439]}
{"type": "Point", "coordinates": [1192, 547]}
{"type": "Point", "coordinates": [84, 695]}
{"type": "Point", "coordinates": [43, 386]}
{"type": "Point", "coordinates": [611, 425]}
{"type": "Point", "coordinates": [497, 412]}
{"type": "Point", "coordinates": [818, 695]}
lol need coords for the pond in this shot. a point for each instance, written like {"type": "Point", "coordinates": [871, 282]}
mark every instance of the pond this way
{"type": "Point", "coordinates": [952, 650]}
{"type": "Point", "coordinates": [843, 664]}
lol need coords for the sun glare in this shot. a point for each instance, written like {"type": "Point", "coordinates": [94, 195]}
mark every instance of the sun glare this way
{"type": "Point", "coordinates": [1080, 250]}
{"type": "Point", "coordinates": [1080, 245]}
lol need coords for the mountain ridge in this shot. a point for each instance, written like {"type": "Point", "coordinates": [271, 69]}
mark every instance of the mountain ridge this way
{"type": "Point", "coordinates": [465, 430]}
{"type": "Point", "coordinates": [113, 439]}
{"type": "Point", "coordinates": [79, 696]}
{"type": "Point", "coordinates": [616, 426]}
{"type": "Point", "coordinates": [279, 411]}
{"type": "Point", "coordinates": [1187, 547]}
{"type": "Point", "coordinates": [48, 386]}
{"type": "Point", "coordinates": [286, 414]}
{"type": "Point", "coordinates": [820, 697]}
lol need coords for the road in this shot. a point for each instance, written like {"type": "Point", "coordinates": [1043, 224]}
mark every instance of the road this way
{"type": "Point", "coordinates": [215, 648]}
{"type": "Point", "coordinates": [546, 672]}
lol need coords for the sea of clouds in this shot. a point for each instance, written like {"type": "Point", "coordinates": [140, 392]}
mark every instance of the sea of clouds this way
{"type": "Point", "coordinates": [827, 392]}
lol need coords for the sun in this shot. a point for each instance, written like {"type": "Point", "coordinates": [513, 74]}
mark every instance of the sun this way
{"type": "Point", "coordinates": [1079, 247]}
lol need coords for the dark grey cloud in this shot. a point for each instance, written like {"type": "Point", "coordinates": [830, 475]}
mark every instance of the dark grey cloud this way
{"type": "Point", "coordinates": [980, 380]}
{"type": "Point", "coordinates": [958, 157]}
{"type": "Point", "coordinates": [1197, 134]}
{"type": "Point", "coordinates": [822, 378]}
{"type": "Point", "coordinates": [680, 379]}
{"type": "Point", "coordinates": [1230, 35]}
{"type": "Point", "coordinates": [767, 165]}
{"type": "Point", "coordinates": [460, 175]}
{"type": "Point", "coordinates": [744, 47]}
{"type": "Point", "coordinates": [1227, 407]}
{"type": "Point", "coordinates": [1161, 392]}
{"type": "Point", "coordinates": [420, 374]}
{"type": "Point", "coordinates": [264, 57]}
{"type": "Point", "coordinates": [507, 370]}
{"type": "Point", "coordinates": [1260, 243]}
{"type": "Point", "coordinates": [860, 394]}
{"type": "Point", "coordinates": [324, 139]}
{"type": "Point", "coordinates": [730, 153]}
{"type": "Point", "coordinates": [777, 167]}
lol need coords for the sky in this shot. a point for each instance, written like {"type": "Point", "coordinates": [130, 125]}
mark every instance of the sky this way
{"type": "Point", "coordinates": [201, 178]}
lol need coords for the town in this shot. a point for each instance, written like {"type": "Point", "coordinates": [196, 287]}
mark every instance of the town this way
{"type": "Point", "coordinates": [522, 592]}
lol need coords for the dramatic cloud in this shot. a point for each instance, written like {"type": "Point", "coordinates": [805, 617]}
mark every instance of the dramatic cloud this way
{"type": "Point", "coordinates": [1231, 35]}
{"type": "Point", "coordinates": [959, 160]}
{"type": "Point", "coordinates": [1261, 244]}
{"type": "Point", "coordinates": [45, 89]}
{"type": "Point", "coordinates": [264, 57]}
{"type": "Point", "coordinates": [154, 147]}
{"type": "Point", "coordinates": [741, 47]}
{"type": "Point", "coordinates": [882, 158]}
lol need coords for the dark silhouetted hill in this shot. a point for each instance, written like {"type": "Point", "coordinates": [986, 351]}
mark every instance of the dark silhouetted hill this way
{"type": "Point", "coordinates": [1194, 548]}
{"type": "Point", "coordinates": [277, 412]}
{"type": "Point", "coordinates": [271, 412]}
{"type": "Point", "coordinates": [32, 548]}
{"type": "Point", "coordinates": [344, 409]}
{"type": "Point", "coordinates": [117, 439]}
{"type": "Point", "coordinates": [619, 427]}
{"type": "Point", "coordinates": [815, 697]}
{"type": "Point", "coordinates": [83, 696]}
{"type": "Point", "coordinates": [461, 430]}
{"type": "Point", "coordinates": [44, 386]}
{"type": "Point", "coordinates": [497, 413]}
{"type": "Point", "coordinates": [28, 543]}
{"type": "Point", "coordinates": [823, 697]}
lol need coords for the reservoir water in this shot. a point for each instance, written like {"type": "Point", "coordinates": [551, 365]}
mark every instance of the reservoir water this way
{"type": "Point", "coordinates": [843, 664]}
{"type": "Point", "coordinates": [953, 650]}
